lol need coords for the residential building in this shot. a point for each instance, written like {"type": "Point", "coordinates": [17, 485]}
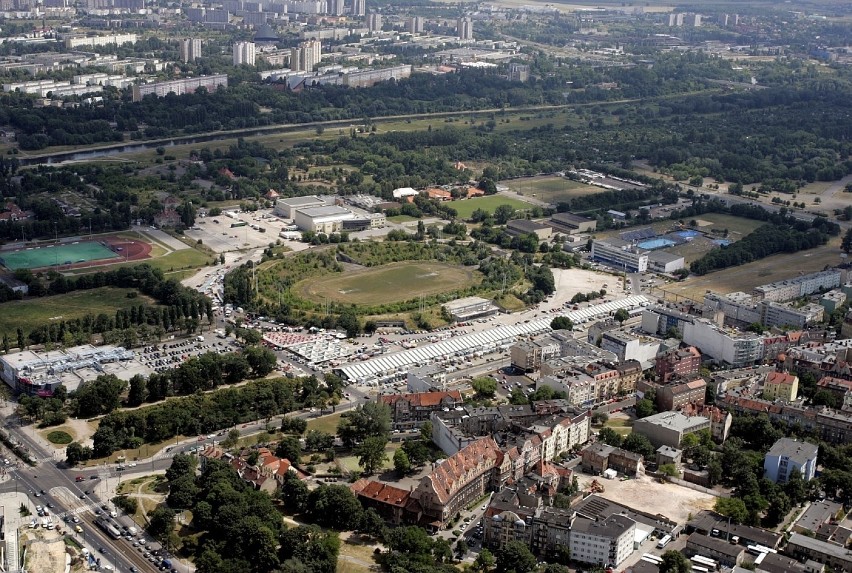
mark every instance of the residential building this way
{"type": "Point", "coordinates": [506, 527]}
{"type": "Point", "coordinates": [832, 300]}
{"type": "Point", "coordinates": [608, 542]}
{"type": "Point", "coordinates": [835, 556]}
{"type": "Point", "coordinates": [411, 410]}
{"type": "Point", "coordinates": [675, 396]}
{"type": "Point", "coordinates": [727, 554]}
{"type": "Point", "coordinates": [669, 428]}
{"type": "Point", "coordinates": [663, 320]}
{"type": "Point", "coordinates": [517, 227]}
{"type": "Point", "coordinates": [305, 56]}
{"type": "Point", "coordinates": [551, 531]}
{"type": "Point", "coordinates": [98, 41]}
{"type": "Point", "coordinates": [720, 420]}
{"type": "Point", "coordinates": [390, 502]}
{"type": "Point", "coordinates": [359, 8]}
{"type": "Point", "coordinates": [787, 455]}
{"type": "Point", "coordinates": [800, 286]}
{"type": "Point", "coordinates": [336, 7]}
{"type": "Point", "coordinates": [180, 87]}
{"type": "Point", "coordinates": [620, 254]}
{"type": "Point", "coordinates": [599, 457]}
{"type": "Point", "coordinates": [528, 355]}
{"type": "Point", "coordinates": [190, 49]}
{"type": "Point", "coordinates": [787, 316]}
{"type": "Point", "coordinates": [426, 378]}
{"type": "Point", "coordinates": [456, 482]}
{"type": "Point", "coordinates": [518, 72]}
{"type": "Point", "coordinates": [374, 22]}
{"type": "Point", "coordinates": [723, 345]}
{"type": "Point", "coordinates": [833, 426]}
{"type": "Point", "coordinates": [817, 515]}
{"type": "Point", "coordinates": [572, 224]}
{"type": "Point", "coordinates": [244, 53]}
{"type": "Point", "coordinates": [841, 388]}
{"type": "Point", "coordinates": [780, 386]}
{"type": "Point", "coordinates": [677, 362]}
{"type": "Point", "coordinates": [464, 28]}
{"type": "Point", "coordinates": [627, 346]}
{"type": "Point", "coordinates": [415, 24]}
{"type": "Point", "coordinates": [669, 455]}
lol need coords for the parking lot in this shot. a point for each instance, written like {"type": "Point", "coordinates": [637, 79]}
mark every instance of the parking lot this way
{"type": "Point", "coordinates": [161, 357]}
{"type": "Point", "coordinates": [219, 234]}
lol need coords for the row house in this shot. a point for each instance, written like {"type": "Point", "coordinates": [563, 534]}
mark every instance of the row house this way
{"type": "Point", "coordinates": [833, 426]}
{"type": "Point", "coordinates": [720, 420]}
{"type": "Point", "coordinates": [411, 410]}
{"type": "Point", "coordinates": [675, 396]}
{"type": "Point", "coordinates": [840, 388]}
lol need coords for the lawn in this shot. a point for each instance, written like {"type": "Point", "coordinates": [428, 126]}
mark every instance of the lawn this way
{"type": "Point", "coordinates": [622, 426]}
{"type": "Point", "coordinates": [466, 207]}
{"type": "Point", "coordinates": [327, 424]}
{"type": "Point", "coordinates": [551, 189]}
{"type": "Point", "coordinates": [27, 314]}
{"type": "Point", "coordinates": [350, 463]}
{"type": "Point", "coordinates": [388, 283]}
{"type": "Point", "coordinates": [746, 277]}
{"type": "Point", "coordinates": [738, 227]}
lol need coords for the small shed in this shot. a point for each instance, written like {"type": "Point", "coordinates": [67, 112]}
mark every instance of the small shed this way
{"type": "Point", "coordinates": [610, 473]}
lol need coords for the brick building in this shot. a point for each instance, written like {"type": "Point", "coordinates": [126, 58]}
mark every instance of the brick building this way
{"type": "Point", "coordinates": [678, 363]}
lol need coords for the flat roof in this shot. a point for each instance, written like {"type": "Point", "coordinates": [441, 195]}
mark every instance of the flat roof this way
{"type": "Point", "coordinates": [526, 225]}
{"type": "Point", "coordinates": [325, 211]}
{"type": "Point", "coordinates": [461, 303]}
{"type": "Point", "coordinates": [664, 257]}
{"type": "Point", "coordinates": [674, 420]}
{"type": "Point", "coordinates": [570, 218]}
{"type": "Point", "coordinates": [297, 201]}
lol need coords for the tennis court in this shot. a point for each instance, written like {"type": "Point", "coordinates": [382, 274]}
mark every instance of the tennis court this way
{"type": "Point", "coordinates": [656, 244]}
{"type": "Point", "coordinates": [52, 255]}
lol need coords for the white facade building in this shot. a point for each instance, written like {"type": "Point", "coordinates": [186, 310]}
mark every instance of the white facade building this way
{"type": "Point", "coordinates": [800, 286]}
{"type": "Point", "coordinates": [723, 345]}
{"type": "Point", "coordinates": [245, 53]}
{"type": "Point", "coordinates": [328, 219]}
{"type": "Point", "coordinates": [95, 41]}
{"type": "Point", "coordinates": [608, 542]}
{"type": "Point", "coordinates": [620, 254]}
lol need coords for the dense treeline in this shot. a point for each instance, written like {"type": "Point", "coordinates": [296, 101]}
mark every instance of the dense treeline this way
{"type": "Point", "coordinates": [766, 240]}
{"type": "Point", "coordinates": [201, 413]}
{"type": "Point", "coordinates": [180, 307]}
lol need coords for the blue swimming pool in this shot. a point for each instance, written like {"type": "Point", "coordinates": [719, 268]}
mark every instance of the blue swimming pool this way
{"type": "Point", "coordinates": [655, 244]}
{"type": "Point", "coordinates": [722, 242]}
{"type": "Point", "coordinates": [688, 234]}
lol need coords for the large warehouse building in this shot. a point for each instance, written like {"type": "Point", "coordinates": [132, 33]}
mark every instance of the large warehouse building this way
{"type": "Point", "coordinates": [286, 208]}
{"type": "Point", "coordinates": [326, 219]}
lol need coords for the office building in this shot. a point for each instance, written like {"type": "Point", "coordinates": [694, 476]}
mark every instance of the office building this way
{"type": "Point", "coordinates": [620, 254]}
{"type": "Point", "coordinates": [190, 49]}
{"type": "Point", "coordinates": [244, 53]}
{"type": "Point", "coordinates": [675, 396]}
{"type": "Point", "coordinates": [571, 223]}
{"type": "Point", "coordinates": [787, 455]}
{"type": "Point", "coordinates": [464, 28]}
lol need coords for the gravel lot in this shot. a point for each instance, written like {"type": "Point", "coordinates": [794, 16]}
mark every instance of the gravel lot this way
{"type": "Point", "coordinates": [645, 494]}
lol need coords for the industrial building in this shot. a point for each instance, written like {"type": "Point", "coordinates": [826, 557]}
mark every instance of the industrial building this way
{"type": "Point", "coordinates": [39, 373]}
{"type": "Point", "coordinates": [326, 219]}
{"type": "Point", "coordinates": [571, 223]}
{"type": "Point", "coordinates": [394, 366]}
{"type": "Point", "coordinates": [286, 208]}
{"type": "Point", "coordinates": [665, 262]}
{"type": "Point", "coordinates": [518, 227]}
{"type": "Point", "coordinates": [470, 307]}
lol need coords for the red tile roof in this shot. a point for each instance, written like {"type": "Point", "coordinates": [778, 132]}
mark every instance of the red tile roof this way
{"type": "Point", "coordinates": [380, 492]}
{"type": "Point", "coordinates": [463, 466]}
{"type": "Point", "coordinates": [422, 398]}
{"type": "Point", "coordinates": [779, 378]}
{"type": "Point", "coordinates": [832, 381]}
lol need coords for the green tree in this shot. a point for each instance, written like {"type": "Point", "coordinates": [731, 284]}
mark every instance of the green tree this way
{"type": "Point", "coordinates": [610, 437]}
{"type": "Point", "coordinates": [461, 547]}
{"type": "Point", "coordinates": [731, 507]}
{"type": "Point", "coordinates": [401, 463]}
{"type": "Point", "coordinates": [503, 213]}
{"type": "Point", "coordinates": [675, 562]}
{"type": "Point", "coordinates": [138, 391]}
{"type": "Point", "coordinates": [639, 444]}
{"type": "Point", "coordinates": [318, 441]}
{"type": "Point", "coordinates": [290, 449]}
{"type": "Point", "coordinates": [485, 386]}
{"type": "Point", "coordinates": [426, 431]}
{"type": "Point", "coordinates": [599, 418]}
{"type": "Point", "coordinates": [516, 557]}
{"type": "Point", "coordinates": [484, 561]}
{"type": "Point", "coordinates": [645, 408]}
{"type": "Point", "coordinates": [262, 361]}
{"type": "Point", "coordinates": [231, 439]}
{"type": "Point", "coordinates": [621, 315]}
{"type": "Point", "coordinates": [669, 470]}
{"type": "Point", "coordinates": [846, 243]}
{"type": "Point", "coordinates": [334, 506]}
{"type": "Point", "coordinates": [561, 323]}
{"type": "Point", "coordinates": [518, 398]}
{"type": "Point", "coordinates": [372, 419]}
{"type": "Point", "coordinates": [161, 523]}
{"type": "Point", "coordinates": [371, 453]}
{"type": "Point", "coordinates": [75, 453]}
{"type": "Point", "coordinates": [294, 493]}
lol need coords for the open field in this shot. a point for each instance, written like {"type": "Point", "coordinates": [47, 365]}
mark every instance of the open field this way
{"type": "Point", "coordinates": [79, 252]}
{"type": "Point", "coordinates": [746, 277]}
{"type": "Point", "coordinates": [551, 189]}
{"type": "Point", "coordinates": [29, 313]}
{"type": "Point", "coordinates": [645, 494]}
{"type": "Point", "coordinates": [388, 283]}
{"type": "Point", "coordinates": [466, 207]}
{"type": "Point", "coordinates": [350, 462]}
{"type": "Point", "coordinates": [621, 423]}
{"type": "Point", "coordinates": [326, 424]}
{"type": "Point", "coordinates": [737, 227]}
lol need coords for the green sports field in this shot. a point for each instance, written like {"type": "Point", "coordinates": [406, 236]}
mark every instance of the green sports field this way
{"type": "Point", "coordinates": [466, 207]}
{"type": "Point", "coordinates": [388, 283]}
{"type": "Point", "coordinates": [52, 255]}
